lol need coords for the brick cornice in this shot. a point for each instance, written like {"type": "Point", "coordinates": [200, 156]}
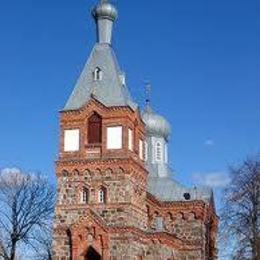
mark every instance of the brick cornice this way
{"type": "Point", "coordinates": [128, 161]}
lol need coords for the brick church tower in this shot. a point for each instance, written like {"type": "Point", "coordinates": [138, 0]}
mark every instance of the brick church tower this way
{"type": "Point", "coordinates": [116, 198]}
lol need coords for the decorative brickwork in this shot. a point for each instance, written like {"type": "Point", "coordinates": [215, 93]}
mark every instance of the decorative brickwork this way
{"type": "Point", "coordinates": [125, 225]}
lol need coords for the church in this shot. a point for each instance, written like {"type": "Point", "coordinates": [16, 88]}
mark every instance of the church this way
{"type": "Point", "coordinates": [117, 199]}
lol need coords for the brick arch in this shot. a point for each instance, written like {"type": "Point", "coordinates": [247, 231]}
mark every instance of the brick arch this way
{"type": "Point", "coordinates": [156, 214]}
{"type": "Point", "coordinates": [75, 172]}
{"type": "Point", "coordinates": [169, 216]}
{"type": "Point", "coordinates": [108, 171]}
{"type": "Point", "coordinates": [97, 171]}
{"type": "Point", "coordinates": [89, 232]}
{"type": "Point", "coordinates": [64, 173]}
{"type": "Point", "coordinates": [87, 174]}
{"type": "Point", "coordinates": [180, 215]}
{"type": "Point", "coordinates": [191, 216]}
{"type": "Point", "coordinates": [120, 170]}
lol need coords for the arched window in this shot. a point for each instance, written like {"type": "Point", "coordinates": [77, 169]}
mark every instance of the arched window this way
{"type": "Point", "coordinates": [102, 195]}
{"type": "Point", "coordinates": [85, 196]}
{"type": "Point", "coordinates": [95, 129]}
{"type": "Point", "coordinates": [97, 74]}
{"type": "Point", "coordinates": [158, 152]}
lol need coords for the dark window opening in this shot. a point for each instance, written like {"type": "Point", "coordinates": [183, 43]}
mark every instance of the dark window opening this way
{"type": "Point", "coordinates": [92, 254]}
{"type": "Point", "coordinates": [97, 74]}
{"type": "Point", "coordinates": [187, 196]}
{"type": "Point", "coordinates": [95, 129]}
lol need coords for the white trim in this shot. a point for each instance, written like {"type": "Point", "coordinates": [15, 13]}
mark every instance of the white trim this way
{"type": "Point", "coordinates": [85, 196]}
{"type": "Point", "coordinates": [145, 151]}
{"type": "Point", "coordinates": [71, 140]}
{"type": "Point", "coordinates": [114, 137]}
{"type": "Point", "coordinates": [141, 149]}
{"type": "Point", "coordinates": [101, 196]}
{"type": "Point", "coordinates": [130, 139]}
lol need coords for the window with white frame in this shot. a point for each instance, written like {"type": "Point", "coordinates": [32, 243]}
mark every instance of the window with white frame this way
{"type": "Point", "coordinates": [145, 151]}
{"type": "Point", "coordinates": [158, 152]}
{"type": "Point", "coordinates": [141, 149]}
{"type": "Point", "coordinates": [98, 74]}
{"type": "Point", "coordinates": [85, 196]}
{"type": "Point", "coordinates": [71, 140]}
{"type": "Point", "coordinates": [130, 139]}
{"type": "Point", "coordinates": [102, 196]}
{"type": "Point", "coordinates": [114, 137]}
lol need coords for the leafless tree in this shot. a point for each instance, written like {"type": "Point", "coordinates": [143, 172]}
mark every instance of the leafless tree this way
{"type": "Point", "coordinates": [26, 209]}
{"type": "Point", "coordinates": [241, 212]}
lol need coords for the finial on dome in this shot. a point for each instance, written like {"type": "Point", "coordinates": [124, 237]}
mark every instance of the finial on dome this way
{"type": "Point", "coordinates": [148, 89]}
{"type": "Point", "coordinates": [156, 125]}
{"type": "Point", "coordinates": [105, 15]}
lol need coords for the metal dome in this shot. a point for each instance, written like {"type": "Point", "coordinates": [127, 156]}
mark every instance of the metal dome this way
{"type": "Point", "coordinates": [156, 125]}
{"type": "Point", "coordinates": [105, 10]}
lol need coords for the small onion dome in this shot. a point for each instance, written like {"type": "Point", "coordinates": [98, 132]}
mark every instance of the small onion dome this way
{"type": "Point", "coordinates": [156, 125]}
{"type": "Point", "coordinates": [105, 10]}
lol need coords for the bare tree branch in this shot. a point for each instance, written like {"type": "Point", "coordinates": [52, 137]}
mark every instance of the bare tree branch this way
{"type": "Point", "coordinates": [241, 211]}
{"type": "Point", "coordinates": [27, 205]}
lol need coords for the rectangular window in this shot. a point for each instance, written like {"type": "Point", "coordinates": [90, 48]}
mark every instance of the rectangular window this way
{"type": "Point", "coordinates": [130, 139]}
{"type": "Point", "coordinates": [71, 140]}
{"type": "Point", "coordinates": [145, 151]}
{"type": "Point", "coordinates": [141, 149]}
{"type": "Point", "coordinates": [114, 137]}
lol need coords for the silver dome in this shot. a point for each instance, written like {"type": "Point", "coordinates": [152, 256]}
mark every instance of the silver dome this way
{"type": "Point", "coordinates": [105, 10]}
{"type": "Point", "coordinates": [156, 125]}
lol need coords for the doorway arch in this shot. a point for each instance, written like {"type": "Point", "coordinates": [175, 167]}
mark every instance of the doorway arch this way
{"type": "Point", "coordinates": [92, 254]}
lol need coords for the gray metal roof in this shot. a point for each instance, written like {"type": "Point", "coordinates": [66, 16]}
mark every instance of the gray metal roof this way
{"type": "Point", "coordinates": [167, 189]}
{"type": "Point", "coordinates": [110, 90]}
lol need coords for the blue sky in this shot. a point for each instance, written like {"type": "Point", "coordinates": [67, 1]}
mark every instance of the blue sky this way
{"type": "Point", "coordinates": [202, 58]}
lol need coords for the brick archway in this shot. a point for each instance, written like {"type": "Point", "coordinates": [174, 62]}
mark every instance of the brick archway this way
{"type": "Point", "coordinates": [89, 238]}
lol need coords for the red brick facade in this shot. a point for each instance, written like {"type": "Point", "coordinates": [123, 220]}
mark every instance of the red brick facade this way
{"type": "Point", "coordinates": [123, 225]}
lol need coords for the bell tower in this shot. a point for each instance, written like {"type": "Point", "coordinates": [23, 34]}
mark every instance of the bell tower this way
{"type": "Point", "coordinates": [100, 168]}
{"type": "Point", "coordinates": [116, 195]}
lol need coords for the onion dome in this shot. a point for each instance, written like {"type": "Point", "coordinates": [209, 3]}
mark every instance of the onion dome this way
{"type": "Point", "coordinates": [105, 10]}
{"type": "Point", "coordinates": [156, 125]}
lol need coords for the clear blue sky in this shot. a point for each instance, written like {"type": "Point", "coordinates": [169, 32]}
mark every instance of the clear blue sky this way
{"type": "Point", "coordinates": [202, 58]}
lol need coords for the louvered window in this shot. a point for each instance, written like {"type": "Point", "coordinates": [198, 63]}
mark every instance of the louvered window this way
{"type": "Point", "coordinates": [95, 129]}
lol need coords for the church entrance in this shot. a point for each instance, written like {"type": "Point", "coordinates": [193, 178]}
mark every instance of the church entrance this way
{"type": "Point", "coordinates": [92, 254]}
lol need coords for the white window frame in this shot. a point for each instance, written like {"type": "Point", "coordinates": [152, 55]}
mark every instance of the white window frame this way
{"type": "Point", "coordinates": [102, 196]}
{"type": "Point", "coordinates": [130, 139]}
{"type": "Point", "coordinates": [71, 140]}
{"type": "Point", "coordinates": [141, 149]}
{"type": "Point", "coordinates": [145, 150]}
{"type": "Point", "coordinates": [85, 196]}
{"type": "Point", "coordinates": [114, 137]}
